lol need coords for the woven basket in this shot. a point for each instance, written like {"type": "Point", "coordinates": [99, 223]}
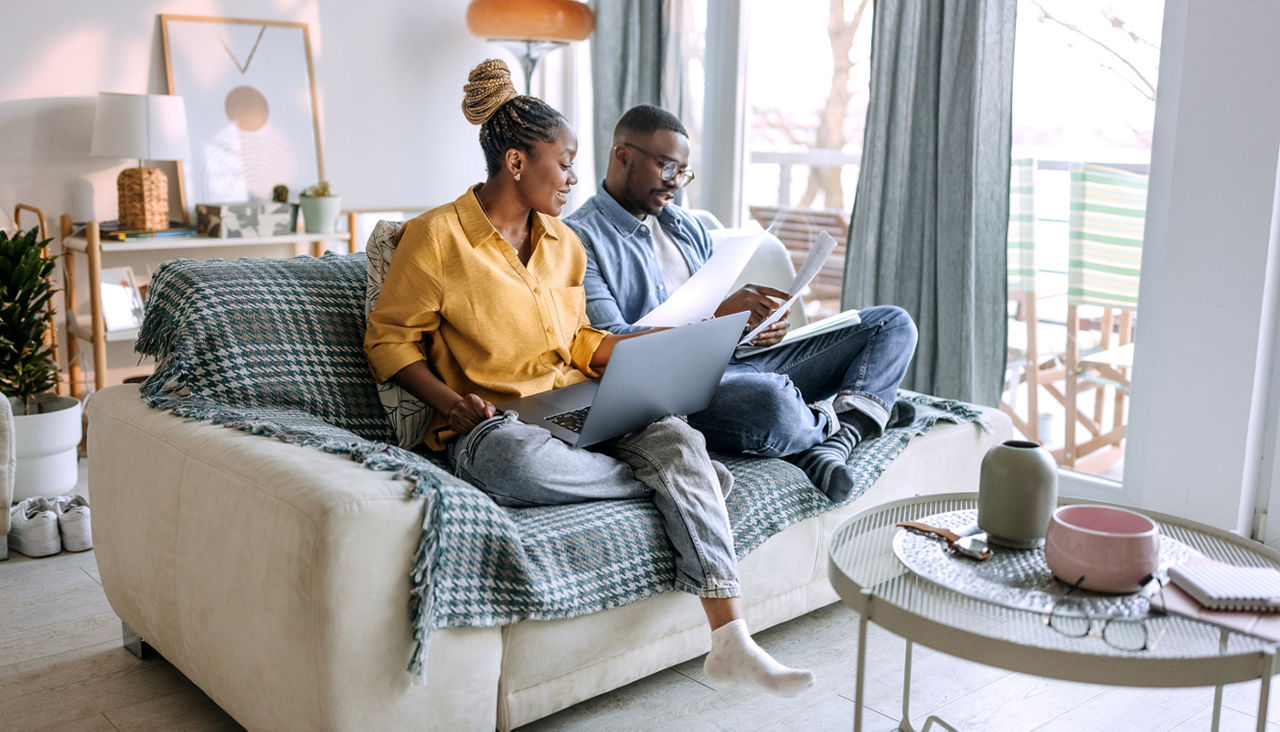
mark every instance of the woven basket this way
{"type": "Point", "coordinates": [143, 195]}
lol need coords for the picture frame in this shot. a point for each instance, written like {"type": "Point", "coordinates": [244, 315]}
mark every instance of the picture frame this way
{"type": "Point", "coordinates": [122, 305]}
{"type": "Point", "coordinates": [250, 96]}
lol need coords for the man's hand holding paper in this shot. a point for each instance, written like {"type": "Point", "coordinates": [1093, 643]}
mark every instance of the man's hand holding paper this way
{"type": "Point", "coordinates": [760, 301]}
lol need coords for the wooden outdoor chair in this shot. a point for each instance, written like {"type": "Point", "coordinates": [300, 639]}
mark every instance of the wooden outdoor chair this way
{"type": "Point", "coordinates": [1108, 211]}
{"type": "Point", "coordinates": [798, 228]}
{"type": "Point", "coordinates": [1023, 362]}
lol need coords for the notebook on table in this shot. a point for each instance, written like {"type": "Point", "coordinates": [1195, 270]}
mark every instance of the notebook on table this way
{"type": "Point", "coordinates": [1220, 586]}
{"type": "Point", "coordinates": [673, 371]}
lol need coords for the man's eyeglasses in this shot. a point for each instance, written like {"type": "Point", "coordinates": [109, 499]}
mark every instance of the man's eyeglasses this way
{"type": "Point", "coordinates": [671, 170]}
{"type": "Point", "coordinates": [1070, 618]}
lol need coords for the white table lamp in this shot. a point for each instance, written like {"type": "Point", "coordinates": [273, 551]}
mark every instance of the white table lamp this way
{"type": "Point", "coordinates": [146, 127]}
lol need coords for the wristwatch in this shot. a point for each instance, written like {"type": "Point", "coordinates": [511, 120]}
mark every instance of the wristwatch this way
{"type": "Point", "coordinates": [974, 546]}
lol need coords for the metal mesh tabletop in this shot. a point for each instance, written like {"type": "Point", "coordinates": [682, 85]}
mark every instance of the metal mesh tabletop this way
{"type": "Point", "coordinates": [870, 578]}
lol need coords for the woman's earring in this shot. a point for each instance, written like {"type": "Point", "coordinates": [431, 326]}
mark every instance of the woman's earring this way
{"type": "Point", "coordinates": [517, 177]}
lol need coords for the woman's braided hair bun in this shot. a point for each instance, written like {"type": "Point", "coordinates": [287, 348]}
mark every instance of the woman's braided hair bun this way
{"type": "Point", "coordinates": [488, 87]}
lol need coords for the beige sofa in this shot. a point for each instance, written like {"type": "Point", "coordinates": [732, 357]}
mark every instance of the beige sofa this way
{"type": "Point", "coordinates": [273, 576]}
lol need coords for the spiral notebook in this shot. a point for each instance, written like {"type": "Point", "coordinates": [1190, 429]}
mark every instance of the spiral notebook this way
{"type": "Point", "coordinates": [1219, 586]}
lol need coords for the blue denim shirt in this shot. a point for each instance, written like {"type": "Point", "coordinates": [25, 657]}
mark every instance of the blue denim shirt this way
{"type": "Point", "coordinates": [623, 281]}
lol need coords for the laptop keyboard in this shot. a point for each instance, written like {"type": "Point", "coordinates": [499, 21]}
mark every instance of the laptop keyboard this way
{"type": "Point", "coordinates": [571, 421]}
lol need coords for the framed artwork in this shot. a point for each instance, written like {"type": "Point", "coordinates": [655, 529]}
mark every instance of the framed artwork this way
{"type": "Point", "coordinates": [250, 97]}
{"type": "Point", "coordinates": [121, 299]}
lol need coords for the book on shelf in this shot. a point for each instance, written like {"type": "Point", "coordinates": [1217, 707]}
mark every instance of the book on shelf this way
{"type": "Point", "coordinates": [114, 231]}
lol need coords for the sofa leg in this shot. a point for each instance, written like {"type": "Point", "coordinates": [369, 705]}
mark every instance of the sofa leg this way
{"type": "Point", "coordinates": [135, 644]}
{"type": "Point", "coordinates": [4, 547]}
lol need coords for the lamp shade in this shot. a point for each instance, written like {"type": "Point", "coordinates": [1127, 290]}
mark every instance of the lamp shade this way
{"type": "Point", "coordinates": [143, 126]}
{"type": "Point", "coordinates": [530, 20]}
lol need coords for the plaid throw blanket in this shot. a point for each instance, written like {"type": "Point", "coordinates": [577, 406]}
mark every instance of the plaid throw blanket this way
{"type": "Point", "coordinates": [477, 564]}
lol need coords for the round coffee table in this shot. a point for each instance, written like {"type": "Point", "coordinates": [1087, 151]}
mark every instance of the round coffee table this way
{"type": "Point", "coordinates": [870, 578]}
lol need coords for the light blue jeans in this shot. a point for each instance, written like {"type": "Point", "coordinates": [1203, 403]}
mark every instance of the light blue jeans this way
{"type": "Point", "coordinates": [520, 464]}
{"type": "Point", "coordinates": [762, 406]}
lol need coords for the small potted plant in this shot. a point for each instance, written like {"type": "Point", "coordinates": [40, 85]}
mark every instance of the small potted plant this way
{"type": "Point", "coordinates": [280, 195]}
{"type": "Point", "coordinates": [46, 426]}
{"type": "Point", "coordinates": [320, 208]}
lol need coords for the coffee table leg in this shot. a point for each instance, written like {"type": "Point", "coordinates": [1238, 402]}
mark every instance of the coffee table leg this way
{"type": "Point", "coordinates": [1264, 689]}
{"type": "Point", "coordinates": [906, 689]}
{"type": "Point", "coordinates": [862, 665]}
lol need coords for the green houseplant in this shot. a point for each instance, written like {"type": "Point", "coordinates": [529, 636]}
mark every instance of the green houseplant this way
{"type": "Point", "coordinates": [27, 366]}
{"type": "Point", "coordinates": [320, 208]}
{"type": "Point", "coordinates": [47, 426]}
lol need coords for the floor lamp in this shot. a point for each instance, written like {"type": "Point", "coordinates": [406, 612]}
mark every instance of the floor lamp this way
{"type": "Point", "coordinates": [530, 29]}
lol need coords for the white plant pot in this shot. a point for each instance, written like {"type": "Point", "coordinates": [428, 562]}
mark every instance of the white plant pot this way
{"type": "Point", "coordinates": [320, 213]}
{"type": "Point", "coordinates": [46, 446]}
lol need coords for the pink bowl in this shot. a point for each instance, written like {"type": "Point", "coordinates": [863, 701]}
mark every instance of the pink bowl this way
{"type": "Point", "coordinates": [1112, 548]}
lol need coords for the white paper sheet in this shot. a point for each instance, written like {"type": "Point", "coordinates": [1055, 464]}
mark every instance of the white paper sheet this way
{"type": "Point", "coordinates": [698, 298]}
{"type": "Point", "coordinates": [818, 253]}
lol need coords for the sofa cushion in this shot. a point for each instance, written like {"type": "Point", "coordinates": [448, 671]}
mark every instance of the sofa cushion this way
{"type": "Point", "coordinates": [282, 333]}
{"type": "Point", "coordinates": [407, 414]}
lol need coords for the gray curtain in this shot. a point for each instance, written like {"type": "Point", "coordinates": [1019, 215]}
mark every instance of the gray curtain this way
{"type": "Point", "coordinates": [929, 222]}
{"type": "Point", "coordinates": [630, 48]}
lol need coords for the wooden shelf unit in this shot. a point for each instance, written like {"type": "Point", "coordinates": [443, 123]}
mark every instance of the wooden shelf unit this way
{"type": "Point", "coordinates": [88, 241]}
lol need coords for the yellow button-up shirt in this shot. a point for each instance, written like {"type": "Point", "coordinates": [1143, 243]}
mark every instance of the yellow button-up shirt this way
{"type": "Point", "coordinates": [498, 328]}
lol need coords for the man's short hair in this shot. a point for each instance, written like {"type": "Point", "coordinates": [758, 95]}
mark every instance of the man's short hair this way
{"type": "Point", "coordinates": [646, 118]}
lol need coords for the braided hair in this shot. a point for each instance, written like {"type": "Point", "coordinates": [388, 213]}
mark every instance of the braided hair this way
{"type": "Point", "coordinates": [507, 120]}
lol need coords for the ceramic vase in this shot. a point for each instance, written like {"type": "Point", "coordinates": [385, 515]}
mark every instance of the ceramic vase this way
{"type": "Point", "coordinates": [1017, 493]}
{"type": "Point", "coordinates": [320, 213]}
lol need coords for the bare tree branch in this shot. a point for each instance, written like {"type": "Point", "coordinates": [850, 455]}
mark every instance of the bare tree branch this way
{"type": "Point", "coordinates": [1149, 92]}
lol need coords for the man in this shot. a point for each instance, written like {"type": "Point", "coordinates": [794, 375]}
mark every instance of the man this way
{"type": "Point", "coordinates": [641, 247]}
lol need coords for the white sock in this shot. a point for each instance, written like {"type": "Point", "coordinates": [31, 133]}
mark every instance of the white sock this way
{"type": "Point", "coordinates": [736, 659]}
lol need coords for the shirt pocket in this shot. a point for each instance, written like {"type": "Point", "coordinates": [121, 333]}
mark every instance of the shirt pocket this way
{"type": "Point", "coordinates": [570, 309]}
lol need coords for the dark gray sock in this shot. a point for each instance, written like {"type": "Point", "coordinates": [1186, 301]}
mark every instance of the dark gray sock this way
{"type": "Point", "coordinates": [827, 464]}
{"type": "Point", "coordinates": [862, 426]}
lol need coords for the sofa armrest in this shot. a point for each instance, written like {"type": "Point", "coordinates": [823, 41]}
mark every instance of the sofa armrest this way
{"type": "Point", "coordinates": [276, 577]}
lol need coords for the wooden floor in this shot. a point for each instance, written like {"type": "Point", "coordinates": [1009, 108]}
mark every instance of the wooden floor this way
{"type": "Point", "coordinates": [62, 667]}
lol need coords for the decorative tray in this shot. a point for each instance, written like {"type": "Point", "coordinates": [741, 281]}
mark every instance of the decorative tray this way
{"type": "Point", "coordinates": [1015, 578]}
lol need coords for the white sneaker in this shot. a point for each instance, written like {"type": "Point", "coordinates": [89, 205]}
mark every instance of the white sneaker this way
{"type": "Point", "coordinates": [33, 527]}
{"type": "Point", "coordinates": [73, 522]}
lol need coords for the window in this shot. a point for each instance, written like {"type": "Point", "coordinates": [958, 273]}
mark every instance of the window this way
{"type": "Point", "coordinates": [806, 89]}
{"type": "Point", "coordinates": [1083, 114]}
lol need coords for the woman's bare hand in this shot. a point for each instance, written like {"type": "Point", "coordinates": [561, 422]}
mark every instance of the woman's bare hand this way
{"type": "Point", "coordinates": [469, 411]}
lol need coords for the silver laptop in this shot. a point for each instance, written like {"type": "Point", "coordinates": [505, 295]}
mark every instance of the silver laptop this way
{"type": "Point", "coordinates": [674, 371]}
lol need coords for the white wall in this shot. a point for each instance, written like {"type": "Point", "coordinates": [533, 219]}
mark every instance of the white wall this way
{"type": "Point", "coordinates": [389, 74]}
{"type": "Point", "coordinates": [1201, 384]}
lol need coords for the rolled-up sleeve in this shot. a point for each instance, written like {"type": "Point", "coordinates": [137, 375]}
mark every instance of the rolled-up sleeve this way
{"type": "Point", "coordinates": [408, 307]}
{"type": "Point", "coordinates": [583, 348]}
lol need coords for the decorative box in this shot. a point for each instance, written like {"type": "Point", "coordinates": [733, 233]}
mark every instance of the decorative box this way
{"type": "Point", "coordinates": [245, 219]}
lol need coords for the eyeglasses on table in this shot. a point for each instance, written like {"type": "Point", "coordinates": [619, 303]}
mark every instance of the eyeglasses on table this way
{"type": "Point", "coordinates": [1069, 617]}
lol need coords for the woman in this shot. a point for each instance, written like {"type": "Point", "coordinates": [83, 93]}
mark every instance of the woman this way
{"type": "Point", "coordinates": [495, 280]}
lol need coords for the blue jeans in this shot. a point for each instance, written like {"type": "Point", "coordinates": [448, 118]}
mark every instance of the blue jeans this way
{"type": "Point", "coordinates": [763, 404]}
{"type": "Point", "coordinates": [520, 465]}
